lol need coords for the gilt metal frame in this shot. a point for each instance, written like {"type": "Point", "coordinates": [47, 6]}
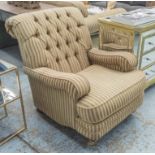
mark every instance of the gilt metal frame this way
{"type": "Point", "coordinates": [5, 103]}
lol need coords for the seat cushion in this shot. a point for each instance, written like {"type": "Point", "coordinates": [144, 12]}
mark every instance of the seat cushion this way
{"type": "Point", "coordinates": [110, 91]}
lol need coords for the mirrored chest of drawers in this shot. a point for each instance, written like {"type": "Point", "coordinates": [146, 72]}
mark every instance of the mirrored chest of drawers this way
{"type": "Point", "coordinates": [139, 40]}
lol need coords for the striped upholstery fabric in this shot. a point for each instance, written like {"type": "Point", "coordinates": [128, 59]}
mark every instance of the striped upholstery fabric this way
{"type": "Point", "coordinates": [110, 92]}
{"type": "Point", "coordinates": [63, 51]}
{"type": "Point", "coordinates": [75, 85]}
{"type": "Point", "coordinates": [72, 83]}
{"type": "Point", "coordinates": [95, 131]}
{"type": "Point", "coordinates": [121, 61]}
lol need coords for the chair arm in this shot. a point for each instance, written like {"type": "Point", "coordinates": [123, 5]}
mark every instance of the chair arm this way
{"type": "Point", "coordinates": [75, 85]}
{"type": "Point", "coordinates": [121, 61]}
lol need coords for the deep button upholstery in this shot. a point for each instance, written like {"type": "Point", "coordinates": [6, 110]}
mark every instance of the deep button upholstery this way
{"type": "Point", "coordinates": [53, 36]}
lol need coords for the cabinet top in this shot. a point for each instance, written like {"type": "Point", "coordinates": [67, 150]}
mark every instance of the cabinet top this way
{"type": "Point", "coordinates": [139, 20]}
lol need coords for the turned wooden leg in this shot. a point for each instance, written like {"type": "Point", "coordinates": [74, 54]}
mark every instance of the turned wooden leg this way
{"type": "Point", "coordinates": [92, 142]}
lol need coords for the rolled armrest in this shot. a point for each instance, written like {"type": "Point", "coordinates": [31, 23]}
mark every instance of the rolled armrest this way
{"type": "Point", "coordinates": [75, 85]}
{"type": "Point", "coordinates": [121, 61]}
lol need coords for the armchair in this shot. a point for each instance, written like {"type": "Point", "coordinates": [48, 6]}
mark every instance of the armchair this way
{"type": "Point", "coordinates": [76, 85]}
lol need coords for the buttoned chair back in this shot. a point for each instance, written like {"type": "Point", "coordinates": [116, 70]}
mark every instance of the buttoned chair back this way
{"type": "Point", "coordinates": [54, 38]}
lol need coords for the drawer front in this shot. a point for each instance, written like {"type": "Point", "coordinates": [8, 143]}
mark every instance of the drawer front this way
{"type": "Point", "coordinates": [147, 55]}
{"type": "Point", "coordinates": [116, 35]}
{"type": "Point", "coordinates": [148, 60]}
{"type": "Point", "coordinates": [149, 44]}
{"type": "Point", "coordinates": [150, 72]}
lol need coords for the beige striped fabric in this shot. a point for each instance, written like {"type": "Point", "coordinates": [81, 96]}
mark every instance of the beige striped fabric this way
{"type": "Point", "coordinates": [55, 103]}
{"type": "Point", "coordinates": [121, 61]}
{"type": "Point", "coordinates": [58, 37]}
{"type": "Point", "coordinates": [86, 89]}
{"type": "Point", "coordinates": [75, 85]}
{"type": "Point", "coordinates": [97, 130]}
{"type": "Point", "coordinates": [110, 92]}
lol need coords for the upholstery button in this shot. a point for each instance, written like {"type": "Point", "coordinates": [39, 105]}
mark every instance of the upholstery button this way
{"type": "Point", "coordinates": [47, 47]}
{"type": "Point", "coordinates": [57, 59]}
{"type": "Point", "coordinates": [48, 32]}
{"type": "Point", "coordinates": [58, 30]}
{"type": "Point", "coordinates": [67, 42]}
{"type": "Point", "coordinates": [58, 16]}
{"type": "Point", "coordinates": [66, 56]}
{"type": "Point", "coordinates": [58, 46]}
{"type": "Point", "coordinates": [76, 53]}
{"type": "Point", "coordinates": [37, 34]}
{"type": "Point", "coordinates": [47, 18]}
{"type": "Point", "coordinates": [35, 19]}
{"type": "Point", "coordinates": [77, 39]}
{"type": "Point", "coordinates": [68, 14]}
{"type": "Point", "coordinates": [67, 27]}
{"type": "Point", "coordinates": [78, 24]}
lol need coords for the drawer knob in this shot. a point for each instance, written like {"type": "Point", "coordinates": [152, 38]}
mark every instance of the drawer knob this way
{"type": "Point", "coordinates": [150, 43]}
{"type": "Point", "coordinates": [148, 59]}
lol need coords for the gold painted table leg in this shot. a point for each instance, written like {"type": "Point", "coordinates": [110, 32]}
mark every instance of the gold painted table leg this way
{"type": "Point", "coordinates": [21, 100]}
{"type": "Point", "coordinates": [11, 136]}
{"type": "Point", "coordinates": [5, 113]}
{"type": "Point", "coordinates": [4, 105]}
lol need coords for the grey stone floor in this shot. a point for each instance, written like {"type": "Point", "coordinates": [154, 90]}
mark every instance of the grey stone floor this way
{"type": "Point", "coordinates": [135, 134]}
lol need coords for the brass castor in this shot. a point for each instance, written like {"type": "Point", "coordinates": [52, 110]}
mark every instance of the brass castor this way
{"type": "Point", "coordinates": [92, 143]}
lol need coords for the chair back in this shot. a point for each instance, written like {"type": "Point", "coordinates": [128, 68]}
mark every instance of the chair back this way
{"type": "Point", "coordinates": [55, 38]}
